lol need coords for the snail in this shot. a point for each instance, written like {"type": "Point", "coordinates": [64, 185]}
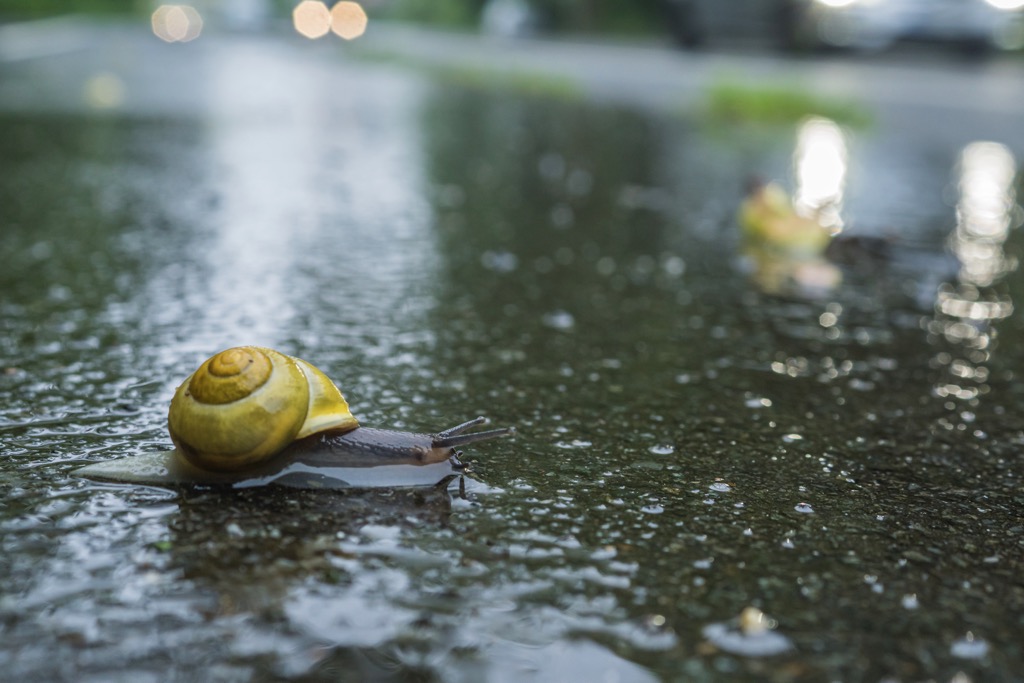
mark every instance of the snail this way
{"type": "Point", "coordinates": [769, 221]}
{"type": "Point", "coordinates": [771, 224]}
{"type": "Point", "coordinates": [251, 416]}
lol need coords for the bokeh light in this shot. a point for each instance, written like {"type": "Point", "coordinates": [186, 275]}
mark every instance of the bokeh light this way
{"type": "Point", "coordinates": [312, 19]}
{"type": "Point", "coordinates": [984, 213]}
{"type": "Point", "coordinates": [1006, 4]}
{"type": "Point", "coordinates": [820, 164]}
{"type": "Point", "coordinates": [104, 90]}
{"type": "Point", "coordinates": [348, 20]}
{"type": "Point", "coordinates": [176, 23]}
{"type": "Point", "coordinates": [965, 313]}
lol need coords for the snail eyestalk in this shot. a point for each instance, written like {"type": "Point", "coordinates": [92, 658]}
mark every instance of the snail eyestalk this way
{"type": "Point", "coordinates": [458, 429]}
{"type": "Point", "coordinates": [453, 437]}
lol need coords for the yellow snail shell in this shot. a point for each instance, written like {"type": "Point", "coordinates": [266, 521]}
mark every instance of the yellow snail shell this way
{"type": "Point", "coordinates": [244, 405]}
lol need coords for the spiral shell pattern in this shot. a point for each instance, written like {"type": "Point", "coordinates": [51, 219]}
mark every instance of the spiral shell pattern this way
{"type": "Point", "coordinates": [246, 404]}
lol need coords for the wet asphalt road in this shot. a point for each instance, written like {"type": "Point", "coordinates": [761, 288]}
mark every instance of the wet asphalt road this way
{"type": "Point", "coordinates": [689, 446]}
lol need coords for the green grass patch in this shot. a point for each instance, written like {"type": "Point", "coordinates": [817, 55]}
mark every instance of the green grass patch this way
{"type": "Point", "coordinates": [524, 82]}
{"type": "Point", "coordinates": [735, 102]}
{"type": "Point", "coordinates": [520, 81]}
{"type": "Point", "coordinates": [40, 9]}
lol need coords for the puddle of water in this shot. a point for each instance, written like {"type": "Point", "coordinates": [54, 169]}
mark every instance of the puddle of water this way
{"type": "Point", "coordinates": [689, 444]}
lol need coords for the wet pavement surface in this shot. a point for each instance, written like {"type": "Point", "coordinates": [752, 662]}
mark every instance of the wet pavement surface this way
{"type": "Point", "coordinates": [724, 469]}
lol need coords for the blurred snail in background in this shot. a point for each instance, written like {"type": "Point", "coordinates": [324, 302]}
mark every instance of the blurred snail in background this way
{"type": "Point", "coordinates": [769, 220]}
{"type": "Point", "coordinates": [250, 416]}
{"type": "Point", "coordinates": [771, 223]}
{"type": "Point", "coordinates": [795, 253]}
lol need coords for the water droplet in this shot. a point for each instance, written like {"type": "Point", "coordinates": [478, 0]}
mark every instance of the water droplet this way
{"type": "Point", "coordinates": [575, 443]}
{"type": "Point", "coordinates": [720, 486]}
{"type": "Point", "coordinates": [753, 621]}
{"type": "Point", "coordinates": [674, 266]}
{"type": "Point", "coordinates": [606, 266]}
{"type": "Point", "coordinates": [792, 438]}
{"type": "Point", "coordinates": [562, 216]}
{"type": "Point", "coordinates": [969, 647]}
{"type": "Point", "coordinates": [804, 508]}
{"type": "Point", "coordinates": [909, 601]}
{"type": "Point", "coordinates": [380, 532]}
{"type": "Point", "coordinates": [499, 261]}
{"type": "Point", "coordinates": [662, 449]}
{"type": "Point", "coordinates": [560, 320]}
{"type": "Point", "coordinates": [861, 385]}
{"type": "Point", "coordinates": [652, 509]}
{"type": "Point", "coordinates": [655, 620]}
{"type": "Point", "coordinates": [551, 166]}
{"type": "Point", "coordinates": [759, 403]}
{"type": "Point", "coordinates": [751, 634]}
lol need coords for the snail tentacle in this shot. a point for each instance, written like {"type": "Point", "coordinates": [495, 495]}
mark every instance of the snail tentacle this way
{"type": "Point", "coordinates": [458, 429]}
{"type": "Point", "coordinates": [452, 439]}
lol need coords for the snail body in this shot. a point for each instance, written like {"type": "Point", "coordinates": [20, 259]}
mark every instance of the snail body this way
{"type": "Point", "coordinates": [250, 416]}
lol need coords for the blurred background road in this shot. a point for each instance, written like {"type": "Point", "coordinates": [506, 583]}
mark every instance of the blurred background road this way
{"type": "Point", "coordinates": [642, 70]}
{"type": "Point", "coordinates": [645, 71]}
{"type": "Point", "coordinates": [661, 76]}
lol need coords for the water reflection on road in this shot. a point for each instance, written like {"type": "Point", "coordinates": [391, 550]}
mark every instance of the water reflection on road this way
{"type": "Point", "coordinates": [967, 311]}
{"type": "Point", "coordinates": [301, 174]}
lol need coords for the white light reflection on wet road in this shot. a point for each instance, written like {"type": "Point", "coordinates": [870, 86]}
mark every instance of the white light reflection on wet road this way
{"type": "Point", "coordinates": [820, 165]}
{"type": "Point", "coordinates": [966, 312]}
{"type": "Point", "coordinates": [312, 163]}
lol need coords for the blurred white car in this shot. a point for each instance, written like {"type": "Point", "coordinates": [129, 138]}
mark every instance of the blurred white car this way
{"type": "Point", "coordinates": [856, 24]}
{"type": "Point", "coordinates": [508, 18]}
{"type": "Point", "coordinates": [875, 24]}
